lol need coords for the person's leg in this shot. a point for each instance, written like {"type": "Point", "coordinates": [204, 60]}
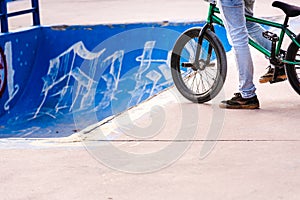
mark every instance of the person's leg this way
{"type": "Point", "coordinates": [233, 12]}
{"type": "Point", "coordinates": [255, 30]}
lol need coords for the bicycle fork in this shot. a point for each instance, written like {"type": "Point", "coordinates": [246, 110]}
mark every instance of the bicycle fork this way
{"type": "Point", "coordinates": [199, 47]}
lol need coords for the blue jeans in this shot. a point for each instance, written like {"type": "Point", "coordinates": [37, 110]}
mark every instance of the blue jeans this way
{"type": "Point", "coordinates": [233, 14]}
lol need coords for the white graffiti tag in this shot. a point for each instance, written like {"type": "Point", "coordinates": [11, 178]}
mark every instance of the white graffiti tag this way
{"type": "Point", "coordinates": [12, 88]}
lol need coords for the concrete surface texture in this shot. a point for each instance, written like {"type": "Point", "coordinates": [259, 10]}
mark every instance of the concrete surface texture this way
{"type": "Point", "coordinates": [119, 11]}
{"type": "Point", "coordinates": [219, 155]}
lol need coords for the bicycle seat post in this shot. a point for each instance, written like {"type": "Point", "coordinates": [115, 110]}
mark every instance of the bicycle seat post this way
{"type": "Point", "coordinates": [286, 21]}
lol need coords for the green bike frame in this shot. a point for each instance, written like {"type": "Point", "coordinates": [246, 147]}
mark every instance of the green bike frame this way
{"type": "Point", "coordinates": [213, 18]}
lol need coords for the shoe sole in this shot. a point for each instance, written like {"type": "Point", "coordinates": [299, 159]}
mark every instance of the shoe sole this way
{"type": "Point", "coordinates": [266, 80]}
{"type": "Point", "coordinates": [249, 107]}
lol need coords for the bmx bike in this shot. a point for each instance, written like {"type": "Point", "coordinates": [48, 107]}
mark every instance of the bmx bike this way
{"type": "Point", "coordinates": [199, 64]}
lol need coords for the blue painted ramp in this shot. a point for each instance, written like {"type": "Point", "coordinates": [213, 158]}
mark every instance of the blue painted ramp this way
{"type": "Point", "coordinates": [56, 73]}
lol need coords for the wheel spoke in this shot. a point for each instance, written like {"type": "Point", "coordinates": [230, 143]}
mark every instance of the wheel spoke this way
{"type": "Point", "coordinates": [194, 81]}
{"type": "Point", "coordinates": [201, 81]}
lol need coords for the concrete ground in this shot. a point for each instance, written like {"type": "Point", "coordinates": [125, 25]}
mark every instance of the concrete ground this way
{"type": "Point", "coordinates": [220, 154]}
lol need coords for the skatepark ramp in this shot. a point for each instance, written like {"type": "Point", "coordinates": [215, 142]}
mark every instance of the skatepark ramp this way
{"type": "Point", "coordinates": [58, 72]}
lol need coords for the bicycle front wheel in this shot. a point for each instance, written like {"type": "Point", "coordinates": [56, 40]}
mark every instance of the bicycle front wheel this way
{"type": "Point", "coordinates": [198, 79]}
{"type": "Point", "coordinates": [293, 71]}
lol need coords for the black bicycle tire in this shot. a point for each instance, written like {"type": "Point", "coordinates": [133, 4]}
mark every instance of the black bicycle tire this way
{"type": "Point", "coordinates": [3, 86]}
{"type": "Point", "coordinates": [290, 69]}
{"type": "Point", "coordinates": [175, 65]}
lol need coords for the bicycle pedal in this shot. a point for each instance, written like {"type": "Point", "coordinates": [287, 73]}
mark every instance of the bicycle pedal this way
{"type": "Point", "coordinates": [270, 36]}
